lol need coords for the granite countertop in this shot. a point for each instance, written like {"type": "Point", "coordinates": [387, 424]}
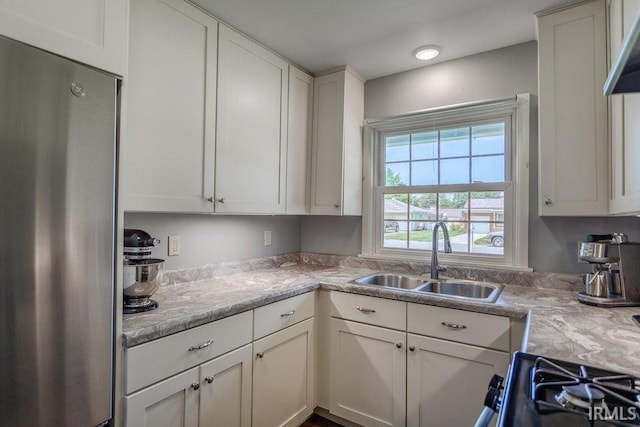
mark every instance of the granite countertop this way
{"type": "Point", "coordinates": [558, 325]}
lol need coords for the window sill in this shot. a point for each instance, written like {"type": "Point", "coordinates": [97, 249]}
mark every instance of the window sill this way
{"type": "Point", "coordinates": [479, 263]}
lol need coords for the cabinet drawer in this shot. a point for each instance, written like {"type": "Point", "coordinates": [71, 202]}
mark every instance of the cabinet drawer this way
{"type": "Point", "coordinates": [155, 360]}
{"type": "Point", "coordinates": [273, 317]}
{"type": "Point", "coordinates": [365, 309]}
{"type": "Point", "coordinates": [467, 327]}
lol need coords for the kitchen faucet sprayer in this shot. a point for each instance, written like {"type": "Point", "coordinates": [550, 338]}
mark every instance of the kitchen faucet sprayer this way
{"type": "Point", "coordinates": [435, 268]}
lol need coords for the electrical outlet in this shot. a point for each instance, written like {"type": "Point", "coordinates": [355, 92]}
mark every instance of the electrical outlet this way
{"type": "Point", "coordinates": [267, 237]}
{"type": "Point", "coordinates": [174, 245]}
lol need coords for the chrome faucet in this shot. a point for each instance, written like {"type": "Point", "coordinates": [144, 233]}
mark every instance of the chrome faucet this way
{"type": "Point", "coordinates": [435, 268]}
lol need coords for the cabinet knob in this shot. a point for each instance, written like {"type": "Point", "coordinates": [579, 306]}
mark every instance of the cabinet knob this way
{"type": "Point", "coordinates": [210, 199]}
{"type": "Point", "coordinates": [398, 345]}
{"type": "Point", "coordinates": [208, 379]}
{"type": "Point", "coordinates": [412, 348]}
{"type": "Point", "coordinates": [195, 386]}
{"type": "Point", "coordinates": [259, 355]}
{"type": "Point", "coordinates": [548, 202]}
{"type": "Point", "coordinates": [337, 205]}
{"type": "Point", "coordinates": [221, 200]}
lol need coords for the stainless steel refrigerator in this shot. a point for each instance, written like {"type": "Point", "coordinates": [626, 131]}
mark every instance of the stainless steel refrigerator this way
{"type": "Point", "coordinates": [57, 187]}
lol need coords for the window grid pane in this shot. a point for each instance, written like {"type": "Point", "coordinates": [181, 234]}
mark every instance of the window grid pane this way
{"type": "Point", "coordinates": [475, 221]}
{"type": "Point", "coordinates": [460, 155]}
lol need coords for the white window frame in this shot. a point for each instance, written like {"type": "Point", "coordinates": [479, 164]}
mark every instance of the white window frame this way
{"type": "Point", "coordinates": [517, 110]}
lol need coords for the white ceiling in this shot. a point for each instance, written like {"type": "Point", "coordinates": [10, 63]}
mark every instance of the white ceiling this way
{"type": "Point", "coordinates": [377, 37]}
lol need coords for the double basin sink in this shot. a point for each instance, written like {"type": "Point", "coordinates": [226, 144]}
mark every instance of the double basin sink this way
{"type": "Point", "coordinates": [468, 290]}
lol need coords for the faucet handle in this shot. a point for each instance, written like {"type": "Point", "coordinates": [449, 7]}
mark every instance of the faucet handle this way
{"type": "Point", "coordinates": [442, 268]}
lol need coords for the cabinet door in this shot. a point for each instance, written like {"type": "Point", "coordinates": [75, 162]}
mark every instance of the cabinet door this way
{"type": "Point", "coordinates": [328, 122]}
{"type": "Point", "coordinates": [252, 124]}
{"type": "Point", "coordinates": [625, 127]}
{"type": "Point", "coordinates": [168, 150]}
{"type": "Point", "coordinates": [92, 32]}
{"type": "Point", "coordinates": [368, 374]}
{"type": "Point", "coordinates": [169, 403]}
{"type": "Point", "coordinates": [447, 382]}
{"type": "Point", "coordinates": [298, 141]}
{"type": "Point", "coordinates": [336, 171]}
{"type": "Point", "coordinates": [574, 160]}
{"type": "Point", "coordinates": [225, 395]}
{"type": "Point", "coordinates": [283, 377]}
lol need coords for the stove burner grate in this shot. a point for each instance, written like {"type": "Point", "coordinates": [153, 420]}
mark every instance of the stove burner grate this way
{"type": "Point", "coordinates": [557, 389]}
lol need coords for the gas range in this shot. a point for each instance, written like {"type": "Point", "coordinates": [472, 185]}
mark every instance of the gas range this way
{"type": "Point", "coordinates": [548, 392]}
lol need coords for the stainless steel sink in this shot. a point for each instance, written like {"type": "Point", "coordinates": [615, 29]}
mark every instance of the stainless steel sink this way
{"type": "Point", "coordinates": [396, 281]}
{"type": "Point", "coordinates": [463, 289]}
{"type": "Point", "coordinates": [447, 288]}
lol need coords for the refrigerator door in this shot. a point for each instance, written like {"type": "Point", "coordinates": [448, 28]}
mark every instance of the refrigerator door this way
{"type": "Point", "coordinates": [57, 145]}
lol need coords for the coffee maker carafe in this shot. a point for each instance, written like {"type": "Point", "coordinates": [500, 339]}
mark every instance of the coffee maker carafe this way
{"type": "Point", "coordinates": [614, 280]}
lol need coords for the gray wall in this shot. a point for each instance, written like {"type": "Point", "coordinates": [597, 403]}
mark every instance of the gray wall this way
{"type": "Point", "coordinates": [206, 239]}
{"type": "Point", "coordinates": [496, 74]}
{"type": "Point", "coordinates": [331, 234]}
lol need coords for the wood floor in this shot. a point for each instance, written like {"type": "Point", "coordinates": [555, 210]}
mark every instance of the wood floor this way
{"type": "Point", "coordinates": [318, 421]}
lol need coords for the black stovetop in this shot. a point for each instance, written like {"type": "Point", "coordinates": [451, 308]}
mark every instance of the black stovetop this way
{"type": "Point", "coordinates": [596, 397]}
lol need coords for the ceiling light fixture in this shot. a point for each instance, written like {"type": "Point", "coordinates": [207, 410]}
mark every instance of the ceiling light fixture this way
{"type": "Point", "coordinates": [425, 53]}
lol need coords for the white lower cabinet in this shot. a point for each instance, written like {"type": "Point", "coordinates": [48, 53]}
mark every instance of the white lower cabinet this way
{"type": "Point", "coordinates": [447, 381]}
{"type": "Point", "coordinates": [413, 365]}
{"type": "Point", "coordinates": [368, 374]}
{"type": "Point", "coordinates": [215, 376]}
{"type": "Point", "coordinates": [198, 377]}
{"type": "Point", "coordinates": [172, 402]}
{"type": "Point", "coordinates": [215, 394]}
{"type": "Point", "coordinates": [283, 376]}
{"type": "Point", "coordinates": [225, 390]}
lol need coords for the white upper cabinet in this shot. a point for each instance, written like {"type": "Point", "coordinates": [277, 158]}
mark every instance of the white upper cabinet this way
{"type": "Point", "coordinates": [625, 126]}
{"type": "Point", "coordinates": [168, 148]}
{"type": "Point", "coordinates": [251, 145]}
{"type": "Point", "coordinates": [299, 141]}
{"type": "Point", "coordinates": [336, 165]}
{"type": "Point", "coordinates": [93, 32]}
{"type": "Point", "coordinates": [574, 157]}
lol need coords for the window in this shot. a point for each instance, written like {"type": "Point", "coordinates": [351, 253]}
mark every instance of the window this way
{"type": "Point", "coordinates": [464, 166]}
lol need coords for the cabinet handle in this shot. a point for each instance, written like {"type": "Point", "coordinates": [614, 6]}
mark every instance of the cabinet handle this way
{"type": "Point", "coordinates": [221, 200]}
{"type": "Point", "coordinates": [259, 355]}
{"type": "Point", "coordinates": [201, 346]}
{"type": "Point", "coordinates": [398, 345]}
{"type": "Point", "coordinates": [548, 202]}
{"type": "Point", "coordinates": [453, 325]}
{"type": "Point", "coordinates": [288, 313]}
{"type": "Point", "coordinates": [365, 309]}
{"type": "Point", "coordinates": [208, 379]}
{"type": "Point", "coordinates": [412, 348]}
{"type": "Point", "coordinates": [210, 199]}
{"type": "Point", "coordinates": [195, 386]}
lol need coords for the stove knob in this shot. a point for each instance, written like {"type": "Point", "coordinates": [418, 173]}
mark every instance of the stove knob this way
{"type": "Point", "coordinates": [496, 382]}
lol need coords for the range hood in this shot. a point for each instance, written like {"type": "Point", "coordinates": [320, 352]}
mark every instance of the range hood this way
{"type": "Point", "coordinates": [624, 76]}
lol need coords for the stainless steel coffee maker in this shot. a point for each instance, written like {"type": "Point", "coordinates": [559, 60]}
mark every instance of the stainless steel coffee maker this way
{"type": "Point", "coordinates": [614, 280]}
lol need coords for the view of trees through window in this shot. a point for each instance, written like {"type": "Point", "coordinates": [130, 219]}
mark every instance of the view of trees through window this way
{"type": "Point", "coordinates": [463, 157]}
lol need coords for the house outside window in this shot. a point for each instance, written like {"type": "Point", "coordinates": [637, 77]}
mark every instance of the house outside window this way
{"type": "Point", "coordinates": [466, 166]}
